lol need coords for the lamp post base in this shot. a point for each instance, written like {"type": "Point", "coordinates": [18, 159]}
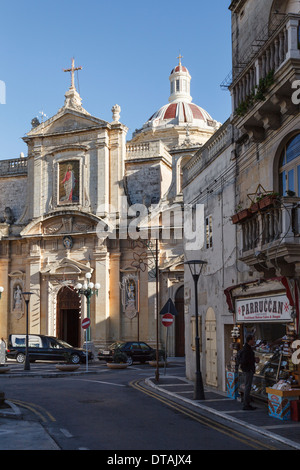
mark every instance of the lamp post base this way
{"type": "Point", "coordinates": [27, 363]}
{"type": "Point", "coordinates": [198, 389]}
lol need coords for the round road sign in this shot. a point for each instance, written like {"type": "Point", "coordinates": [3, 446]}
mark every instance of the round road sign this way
{"type": "Point", "coordinates": [167, 319]}
{"type": "Point", "coordinates": [85, 323]}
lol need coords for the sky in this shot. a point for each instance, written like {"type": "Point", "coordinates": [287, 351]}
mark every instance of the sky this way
{"type": "Point", "coordinates": [126, 49]}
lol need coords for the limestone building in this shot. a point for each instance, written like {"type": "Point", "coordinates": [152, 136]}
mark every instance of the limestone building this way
{"type": "Point", "coordinates": [66, 210]}
{"type": "Point", "coordinates": [253, 248]}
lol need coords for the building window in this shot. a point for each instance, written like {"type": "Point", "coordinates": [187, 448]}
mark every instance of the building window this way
{"type": "Point", "coordinates": [289, 168]}
{"type": "Point", "coordinates": [208, 227]}
{"type": "Point", "coordinates": [177, 85]}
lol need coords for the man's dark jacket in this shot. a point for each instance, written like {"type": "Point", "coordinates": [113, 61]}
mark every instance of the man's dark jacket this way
{"type": "Point", "coordinates": [247, 359]}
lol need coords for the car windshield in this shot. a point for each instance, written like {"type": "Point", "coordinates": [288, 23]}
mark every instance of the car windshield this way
{"type": "Point", "coordinates": [116, 345]}
{"type": "Point", "coordinates": [63, 343]}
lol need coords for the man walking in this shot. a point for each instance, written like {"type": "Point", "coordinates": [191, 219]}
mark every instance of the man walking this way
{"type": "Point", "coordinates": [247, 362]}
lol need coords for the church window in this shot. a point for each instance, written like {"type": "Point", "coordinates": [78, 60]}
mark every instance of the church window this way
{"type": "Point", "coordinates": [289, 168]}
{"type": "Point", "coordinates": [177, 85]}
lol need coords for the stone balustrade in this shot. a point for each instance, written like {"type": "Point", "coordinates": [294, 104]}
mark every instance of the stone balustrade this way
{"type": "Point", "coordinates": [13, 167]}
{"type": "Point", "coordinates": [282, 45]}
{"type": "Point", "coordinates": [279, 224]}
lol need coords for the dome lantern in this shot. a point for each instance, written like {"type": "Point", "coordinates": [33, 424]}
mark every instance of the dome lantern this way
{"type": "Point", "coordinates": [180, 84]}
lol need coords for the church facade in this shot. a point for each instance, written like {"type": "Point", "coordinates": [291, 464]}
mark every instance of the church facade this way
{"type": "Point", "coordinates": [67, 208]}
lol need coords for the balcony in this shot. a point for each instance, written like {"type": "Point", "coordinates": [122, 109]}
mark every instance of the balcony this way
{"type": "Point", "coordinates": [270, 238]}
{"type": "Point", "coordinates": [14, 167]}
{"type": "Point", "coordinates": [262, 92]}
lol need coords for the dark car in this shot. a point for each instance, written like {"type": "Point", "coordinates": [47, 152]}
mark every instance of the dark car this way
{"type": "Point", "coordinates": [42, 347]}
{"type": "Point", "coordinates": [136, 351]}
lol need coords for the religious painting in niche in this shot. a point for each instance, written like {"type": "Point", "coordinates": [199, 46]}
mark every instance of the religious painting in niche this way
{"type": "Point", "coordinates": [68, 189]}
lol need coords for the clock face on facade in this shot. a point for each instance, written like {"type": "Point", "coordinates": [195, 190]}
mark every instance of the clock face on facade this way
{"type": "Point", "coordinates": [68, 242]}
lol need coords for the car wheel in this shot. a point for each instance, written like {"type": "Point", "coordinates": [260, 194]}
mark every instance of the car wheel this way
{"type": "Point", "coordinates": [75, 359]}
{"type": "Point", "coordinates": [20, 358]}
{"type": "Point", "coordinates": [129, 361]}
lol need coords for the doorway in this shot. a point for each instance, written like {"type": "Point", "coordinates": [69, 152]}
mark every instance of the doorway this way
{"type": "Point", "coordinates": [211, 348]}
{"type": "Point", "coordinates": [68, 321]}
{"type": "Point", "coordinates": [179, 323]}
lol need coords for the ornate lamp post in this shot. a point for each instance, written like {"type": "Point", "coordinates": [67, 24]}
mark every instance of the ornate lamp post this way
{"type": "Point", "coordinates": [26, 297]}
{"type": "Point", "coordinates": [87, 289]}
{"type": "Point", "coordinates": [196, 267]}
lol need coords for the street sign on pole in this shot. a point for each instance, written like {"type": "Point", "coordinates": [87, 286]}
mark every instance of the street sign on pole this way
{"type": "Point", "coordinates": [85, 323]}
{"type": "Point", "coordinates": [169, 307]}
{"type": "Point", "coordinates": [167, 319]}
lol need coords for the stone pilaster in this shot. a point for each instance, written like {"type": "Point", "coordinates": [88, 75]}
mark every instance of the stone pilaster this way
{"type": "Point", "coordinates": [4, 301]}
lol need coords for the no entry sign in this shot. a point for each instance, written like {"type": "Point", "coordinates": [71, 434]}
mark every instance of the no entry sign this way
{"type": "Point", "coordinates": [167, 319]}
{"type": "Point", "coordinates": [85, 323]}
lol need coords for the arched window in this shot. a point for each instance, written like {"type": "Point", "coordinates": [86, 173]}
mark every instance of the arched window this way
{"type": "Point", "coordinates": [289, 168]}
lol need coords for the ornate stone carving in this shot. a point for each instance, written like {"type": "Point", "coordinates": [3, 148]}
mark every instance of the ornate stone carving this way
{"type": "Point", "coordinates": [129, 288]}
{"type": "Point", "coordinates": [116, 109]}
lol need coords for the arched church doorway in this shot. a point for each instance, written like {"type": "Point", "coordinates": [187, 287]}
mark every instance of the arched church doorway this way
{"type": "Point", "coordinates": [68, 321]}
{"type": "Point", "coordinates": [179, 323]}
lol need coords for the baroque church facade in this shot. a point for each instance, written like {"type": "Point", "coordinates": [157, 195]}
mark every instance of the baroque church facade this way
{"type": "Point", "coordinates": [65, 204]}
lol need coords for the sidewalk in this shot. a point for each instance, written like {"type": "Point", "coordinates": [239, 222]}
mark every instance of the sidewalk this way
{"type": "Point", "coordinates": [216, 403]}
{"type": "Point", "coordinates": [16, 433]}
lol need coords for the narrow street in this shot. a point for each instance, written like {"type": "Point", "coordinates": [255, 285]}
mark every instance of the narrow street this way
{"type": "Point", "coordinates": [116, 411]}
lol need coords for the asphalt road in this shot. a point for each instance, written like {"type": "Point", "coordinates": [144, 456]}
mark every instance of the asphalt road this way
{"type": "Point", "coordinates": [112, 411]}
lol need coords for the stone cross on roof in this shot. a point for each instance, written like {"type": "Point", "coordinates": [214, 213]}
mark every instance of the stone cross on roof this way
{"type": "Point", "coordinates": [72, 70]}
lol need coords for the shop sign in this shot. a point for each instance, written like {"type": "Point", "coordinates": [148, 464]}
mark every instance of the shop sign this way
{"type": "Point", "coordinates": [269, 308]}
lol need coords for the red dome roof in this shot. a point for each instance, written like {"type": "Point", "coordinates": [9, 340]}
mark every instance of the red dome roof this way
{"type": "Point", "coordinates": [179, 68]}
{"type": "Point", "coordinates": [171, 111]}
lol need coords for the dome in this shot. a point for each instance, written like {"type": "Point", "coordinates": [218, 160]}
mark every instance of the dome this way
{"type": "Point", "coordinates": [180, 111]}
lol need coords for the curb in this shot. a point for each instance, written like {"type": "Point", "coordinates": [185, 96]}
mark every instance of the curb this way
{"type": "Point", "coordinates": [225, 416]}
{"type": "Point", "coordinates": [12, 412]}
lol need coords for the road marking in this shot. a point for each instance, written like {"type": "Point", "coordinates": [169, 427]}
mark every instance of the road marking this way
{"type": "Point", "coordinates": [65, 432]}
{"type": "Point", "coordinates": [98, 382]}
{"type": "Point", "coordinates": [203, 420]}
{"type": "Point", "coordinates": [32, 407]}
{"type": "Point", "coordinates": [5, 432]}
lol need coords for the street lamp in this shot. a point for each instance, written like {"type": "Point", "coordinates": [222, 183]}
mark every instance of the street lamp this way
{"type": "Point", "coordinates": [196, 267]}
{"type": "Point", "coordinates": [26, 297]}
{"type": "Point", "coordinates": [87, 289]}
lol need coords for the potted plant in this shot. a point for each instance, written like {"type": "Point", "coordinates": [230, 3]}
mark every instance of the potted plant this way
{"type": "Point", "coordinates": [267, 200]}
{"type": "Point", "coordinates": [161, 359]}
{"type": "Point", "coordinates": [119, 360]}
{"type": "Point", "coordinates": [68, 365]}
{"type": "Point", "coordinates": [241, 216]}
{"type": "Point", "coordinates": [235, 218]}
{"type": "Point", "coordinates": [254, 207]}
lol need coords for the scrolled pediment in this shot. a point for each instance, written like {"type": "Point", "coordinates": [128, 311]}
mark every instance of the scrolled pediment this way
{"type": "Point", "coordinates": [62, 223]}
{"type": "Point", "coordinates": [66, 267]}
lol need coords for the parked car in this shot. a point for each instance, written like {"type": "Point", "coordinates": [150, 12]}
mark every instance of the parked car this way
{"type": "Point", "coordinates": [136, 351]}
{"type": "Point", "coordinates": [41, 347]}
